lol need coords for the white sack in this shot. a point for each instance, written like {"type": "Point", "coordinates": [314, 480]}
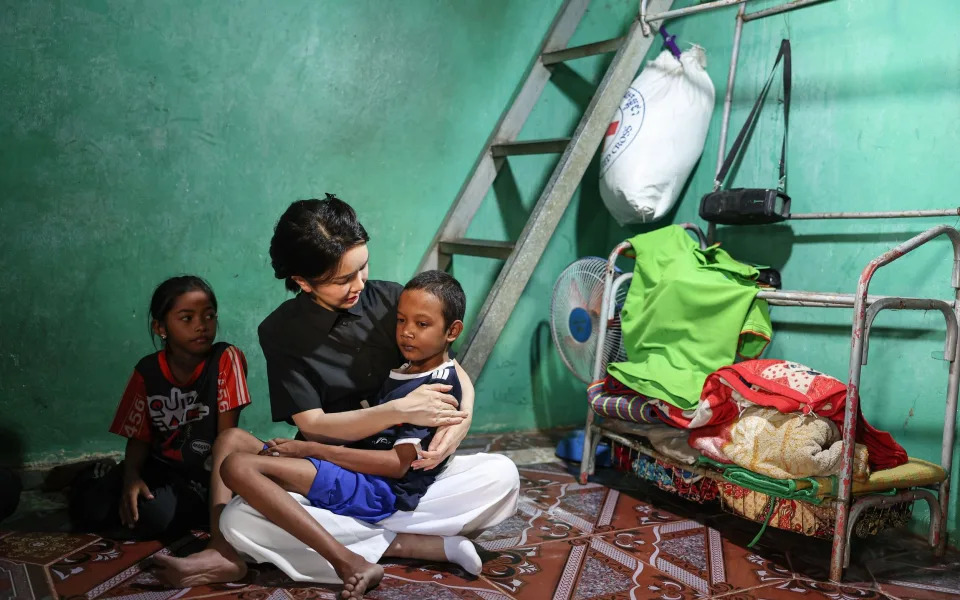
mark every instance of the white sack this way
{"type": "Point", "coordinates": [656, 137]}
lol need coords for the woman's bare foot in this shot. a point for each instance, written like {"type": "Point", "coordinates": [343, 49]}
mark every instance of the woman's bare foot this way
{"type": "Point", "coordinates": [358, 578]}
{"type": "Point", "coordinates": [217, 563]}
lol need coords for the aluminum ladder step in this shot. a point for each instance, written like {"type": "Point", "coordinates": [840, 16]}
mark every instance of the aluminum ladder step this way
{"type": "Point", "coordinates": [559, 56]}
{"type": "Point", "coordinates": [552, 146]}
{"type": "Point", "coordinates": [482, 248]}
{"type": "Point", "coordinates": [576, 154]}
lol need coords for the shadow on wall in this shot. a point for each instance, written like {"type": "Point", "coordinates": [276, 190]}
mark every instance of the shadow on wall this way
{"type": "Point", "coordinates": [11, 459]}
{"type": "Point", "coordinates": [573, 85]}
{"type": "Point", "coordinates": [510, 202]}
{"type": "Point", "coordinates": [11, 452]}
{"type": "Point", "coordinates": [546, 375]}
{"type": "Point", "coordinates": [766, 245]}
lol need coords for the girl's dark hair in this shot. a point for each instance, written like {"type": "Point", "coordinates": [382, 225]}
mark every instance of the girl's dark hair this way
{"type": "Point", "coordinates": [167, 293]}
{"type": "Point", "coordinates": [311, 237]}
{"type": "Point", "coordinates": [446, 288]}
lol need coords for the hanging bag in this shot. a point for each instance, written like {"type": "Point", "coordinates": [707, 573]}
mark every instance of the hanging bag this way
{"type": "Point", "coordinates": [753, 206]}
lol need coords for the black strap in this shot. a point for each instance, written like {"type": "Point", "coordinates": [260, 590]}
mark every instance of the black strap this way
{"type": "Point", "coordinates": [747, 129]}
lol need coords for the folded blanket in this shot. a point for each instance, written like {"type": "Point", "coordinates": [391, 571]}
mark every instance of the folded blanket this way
{"type": "Point", "coordinates": [778, 445]}
{"type": "Point", "coordinates": [791, 387]}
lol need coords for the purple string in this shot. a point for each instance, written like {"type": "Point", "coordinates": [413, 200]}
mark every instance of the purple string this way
{"type": "Point", "coordinates": [668, 41]}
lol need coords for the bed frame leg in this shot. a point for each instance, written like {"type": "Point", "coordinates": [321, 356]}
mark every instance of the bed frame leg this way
{"type": "Point", "coordinates": [591, 439]}
{"type": "Point", "coordinates": [938, 519]}
{"type": "Point", "coordinates": [841, 540]}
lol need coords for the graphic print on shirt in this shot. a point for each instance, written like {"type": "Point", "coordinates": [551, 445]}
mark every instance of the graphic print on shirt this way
{"type": "Point", "coordinates": [168, 413]}
{"type": "Point", "coordinates": [180, 420]}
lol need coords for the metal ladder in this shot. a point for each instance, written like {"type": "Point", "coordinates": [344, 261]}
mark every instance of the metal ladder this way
{"type": "Point", "coordinates": [577, 151]}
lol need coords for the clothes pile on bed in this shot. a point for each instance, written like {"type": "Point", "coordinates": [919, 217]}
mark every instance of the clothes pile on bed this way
{"type": "Point", "coordinates": [772, 428]}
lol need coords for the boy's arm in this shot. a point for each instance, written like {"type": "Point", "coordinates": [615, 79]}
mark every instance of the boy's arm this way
{"type": "Point", "coordinates": [448, 437]}
{"type": "Point", "coordinates": [393, 463]}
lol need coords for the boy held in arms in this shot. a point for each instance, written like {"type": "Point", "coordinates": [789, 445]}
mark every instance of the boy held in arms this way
{"type": "Point", "coordinates": [370, 479]}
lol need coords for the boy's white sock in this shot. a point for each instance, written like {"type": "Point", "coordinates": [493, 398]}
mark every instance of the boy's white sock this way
{"type": "Point", "coordinates": [461, 551]}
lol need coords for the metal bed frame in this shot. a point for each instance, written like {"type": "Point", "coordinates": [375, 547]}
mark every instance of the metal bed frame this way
{"type": "Point", "coordinates": [865, 309]}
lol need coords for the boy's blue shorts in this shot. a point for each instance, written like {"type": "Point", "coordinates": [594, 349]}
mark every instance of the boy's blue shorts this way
{"type": "Point", "coordinates": [342, 492]}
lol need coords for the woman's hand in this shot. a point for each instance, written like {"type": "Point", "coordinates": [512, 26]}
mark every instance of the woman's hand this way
{"type": "Point", "coordinates": [429, 406]}
{"type": "Point", "coordinates": [444, 443]}
{"type": "Point", "coordinates": [289, 448]}
{"type": "Point", "coordinates": [133, 488]}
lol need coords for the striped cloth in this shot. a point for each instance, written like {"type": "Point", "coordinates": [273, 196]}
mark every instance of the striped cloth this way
{"type": "Point", "coordinates": [624, 404]}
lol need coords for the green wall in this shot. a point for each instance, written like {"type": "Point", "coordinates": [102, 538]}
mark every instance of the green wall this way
{"type": "Point", "coordinates": [140, 140]}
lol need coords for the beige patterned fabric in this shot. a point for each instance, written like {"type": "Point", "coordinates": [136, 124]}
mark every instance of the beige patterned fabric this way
{"type": "Point", "coordinates": [788, 445]}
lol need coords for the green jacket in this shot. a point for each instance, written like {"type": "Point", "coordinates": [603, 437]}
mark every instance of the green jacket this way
{"type": "Point", "coordinates": [688, 312]}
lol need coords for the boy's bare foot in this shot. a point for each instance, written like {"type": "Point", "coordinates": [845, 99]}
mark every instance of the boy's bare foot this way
{"type": "Point", "coordinates": [217, 563]}
{"type": "Point", "coordinates": [358, 578]}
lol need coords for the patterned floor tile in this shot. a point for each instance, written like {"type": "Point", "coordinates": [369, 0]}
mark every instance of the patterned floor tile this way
{"type": "Point", "coordinates": [568, 510]}
{"type": "Point", "coordinates": [887, 544]}
{"type": "Point", "coordinates": [586, 568]}
{"type": "Point", "coordinates": [620, 480]}
{"type": "Point", "coordinates": [24, 581]}
{"type": "Point", "coordinates": [905, 580]}
{"type": "Point", "coordinates": [530, 525]}
{"type": "Point", "coordinates": [398, 588]}
{"type": "Point", "coordinates": [521, 440]}
{"type": "Point", "coordinates": [446, 574]}
{"type": "Point", "coordinates": [632, 511]}
{"type": "Point", "coordinates": [699, 557]}
{"type": "Point", "coordinates": [923, 557]}
{"type": "Point", "coordinates": [813, 564]}
{"type": "Point", "coordinates": [530, 572]}
{"type": "Point", "coordinates": [801, 589]}
{"type": "Point", "coordinates": [608, 572]}
{"type": "Point", "coordinates": [294, 593]}
{"type": "Point", "coordinates": [274, 594]}
{"type": "Point", "coordinates": [807, 557]}
{"type": "Point", "coordinates": [42, 548]}
{"type": "Point", "coordinates": [143, 584]}
{"type": "Point", "coordinates": [98, 562]}
{"type": "Point", "coordinates": [541, 474]}
{"type": "Point", "coordinates": [424, 580]}
{"type": "Point", "coordinates": [136, 579]}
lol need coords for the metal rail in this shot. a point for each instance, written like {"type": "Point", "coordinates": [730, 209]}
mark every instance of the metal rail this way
{"type": "Point", "coordinates": [645, 19]}
{"type": "Point", "coordinates": [852, 404]}
{"type": "Point", "coordinates": [890, 303]}
{"type": "Point", "coordinates": [825, 299]}
{"type": "Point", "coordinates": [776, 10]}
{"type": "Point", "coordinates": [890, 214]}
{"type": "Point", "coordinates": [861, 504]}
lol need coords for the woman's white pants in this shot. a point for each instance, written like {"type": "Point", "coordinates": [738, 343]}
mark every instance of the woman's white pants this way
{"type": "Point", "coordinates": [473, 493]}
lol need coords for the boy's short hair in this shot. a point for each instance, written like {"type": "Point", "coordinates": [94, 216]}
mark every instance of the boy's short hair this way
{"type": "Point", "coordinates": [446, 288]}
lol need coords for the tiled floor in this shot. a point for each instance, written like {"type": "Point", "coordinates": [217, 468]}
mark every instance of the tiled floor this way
{"type": "Point", "coordinates": [613, 538]}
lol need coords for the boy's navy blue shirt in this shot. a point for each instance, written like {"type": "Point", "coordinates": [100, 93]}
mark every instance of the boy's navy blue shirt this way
{"type": "Point", "coordinates": [414, 484]}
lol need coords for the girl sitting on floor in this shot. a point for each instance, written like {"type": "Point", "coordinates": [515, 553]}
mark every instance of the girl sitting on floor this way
{"type": "Point", "coordinates": [175, 404]}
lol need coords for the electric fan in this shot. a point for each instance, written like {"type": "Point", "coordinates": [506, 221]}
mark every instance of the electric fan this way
{"type": "Point", "coordinates": [575, 312]}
